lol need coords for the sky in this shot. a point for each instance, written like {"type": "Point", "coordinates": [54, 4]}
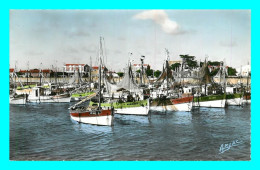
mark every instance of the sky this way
{"type": "Point", "coordinates": [52, 38]}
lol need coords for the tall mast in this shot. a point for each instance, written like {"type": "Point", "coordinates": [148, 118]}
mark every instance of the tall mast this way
{"type": "Point", "coordinates": [166, 65]}
{"type": "Point", "coordinates": [224, 75]}
{"type": "Point", "coordinates": [90, 70]}
{"type": "Point", "coordinates": [56, 71]}
{"type": "Point", "coordinates": [15, 77]}
{"type": "Point", "coordinates": [99, 73]}
{"type": "Point", "coordinates": [27, 72]}
{"type": "Point", "coordinates": [63, 70]}
{"type": "Point", "coordinates": [142, 69]}
{"type": "Point", "coordinates": [78, 76]}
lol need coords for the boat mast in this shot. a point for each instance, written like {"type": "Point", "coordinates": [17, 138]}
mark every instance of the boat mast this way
{"type": "Point", "coordinates": [78, 77]}
{"type": "Point", "coordinates": [142, 69]}
{"type": "Point", "coordinates": [27, 73]}
{"type": "Point", "coordinates": [166, 65]}
{"type": "Point", "coordinates": [224, 76]}
{"type": "Point", "coordinates": [247, 91]}
{"type": "Point", "coordinates": [63, 70]}
{"type": "Point", "coordinates": [41, 76]}
{"type": "Point", "coordinates": [90, 70]}
{"type": "Point", "coordinates": [99, 73]}
{"type": "Point", "coordinates": [56, 72]}
{"type": "Point", "coordinates": [15, 78]}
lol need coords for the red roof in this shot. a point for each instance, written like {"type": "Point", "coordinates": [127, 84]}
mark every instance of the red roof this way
{"type": "Point", "coordinates": [37, 71]}
{"type": "Point", "coordinates": [140, 64]}
{"type": "Point", "coordinates": [75, 64]}
{"type": "Point", "coordinates": [46, 71]}
{"type": "Point", "coordinates": [11, 70]}
{"type": "Point", "coordinates": [23, 71]}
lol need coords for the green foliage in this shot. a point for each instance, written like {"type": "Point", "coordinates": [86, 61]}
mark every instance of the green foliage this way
{"type": "Point", "coordinates": [191, 63]}
{"type": "Point", "coordinates": [214, 72]}
{"type": "Point", "coordinates": [189, 60]}
{"type": "Point", "coordinates": [214, 63]}
{"type": "Point", "coordinates": [187, 57]}
{"type": "Point", "coordinates": [175, 65]}
{"type": "Point", "coordinates": [231, 71]}
{"type": "Point", "coordinates": [149, 72]}
{"type": "Point", "coordinates": [120, 74]}
{"type": "Point", "coordinates": [138, 71]}
{"type": "Point", "coordinates": [157, 73]}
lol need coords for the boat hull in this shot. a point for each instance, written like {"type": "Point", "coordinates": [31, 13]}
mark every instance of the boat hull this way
{"type": "Point", "coordinates": [235, 102]}
{"type": "Point", "coordinates": [247, 101]}
{"type": "Point", "coordinates": [142, 110]}
{"type": "Point", "coordinates": [17, 101]}
{"type": "Point", "coordinates": [212, 103]}
{"type": "Point", "coordinates": [105, 118]}
{"type": "Point", "coordinates": [185, 107]}
{"type": "Point", "coordinates": [180, 104]}
{"type": "Point", "coordinates": [49, 99]}
{"type": "Point", "coordinates": [129, 108]}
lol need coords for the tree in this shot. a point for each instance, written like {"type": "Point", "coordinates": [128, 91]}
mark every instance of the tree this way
{"type": "Point", "coordinates": [214, 72]}
{"type": "Point", "coordinates": [187, 57]}
{"type": "Point", "coordinates": [189, 60]}
{"type": "Point", "coordinates": [120, 74]}
{"type": "Point", "coordinates": [149, 72]}
{"type": "Point", "coordinates": [214, 63]}
{"type": "Point", "coordinates": [157, 73]}
{"type": "Point", "coordinates": [175, 65]}
{"type": "Point", "coordinates": [231, 71]}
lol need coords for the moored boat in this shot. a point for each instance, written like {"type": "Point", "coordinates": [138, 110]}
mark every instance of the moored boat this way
{"type": "Point", "coordinates": [95, 114]}
{"type": "Point", "coordinates": [178, 104]}
{"type": "Point", "coordinates": [43, 95]}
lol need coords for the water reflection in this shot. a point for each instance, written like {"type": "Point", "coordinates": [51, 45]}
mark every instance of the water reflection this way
{"type": "Point", "coordinates": [130, 119]}
{"type": "Point", "coordinates": [91, 129]}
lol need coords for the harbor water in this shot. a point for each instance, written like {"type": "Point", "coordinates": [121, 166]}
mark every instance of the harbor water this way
{"type": "Point", "coordinates": [46, 132]}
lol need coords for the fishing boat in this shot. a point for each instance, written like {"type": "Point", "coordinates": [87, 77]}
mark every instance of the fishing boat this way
{"type": "Point", "coordinates": [211, 94]}
{"type": "Point", "coordinates": [94, 114]}
{"type": "Point", "coordinates": [45, 94]}
{"type": "Point", "coordinates": [166, 98]}
{"type": "Point", "coordinates": [126, 96]}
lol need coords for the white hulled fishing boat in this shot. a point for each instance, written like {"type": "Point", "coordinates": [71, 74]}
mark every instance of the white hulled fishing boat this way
{"type": "Point", "coordinates": [95, 114]}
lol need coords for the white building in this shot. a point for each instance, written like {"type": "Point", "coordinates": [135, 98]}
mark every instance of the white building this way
{"type": "Point", "coordinates": [139, 67]}
{"type": "Point", "coordinates": [71, 68]}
